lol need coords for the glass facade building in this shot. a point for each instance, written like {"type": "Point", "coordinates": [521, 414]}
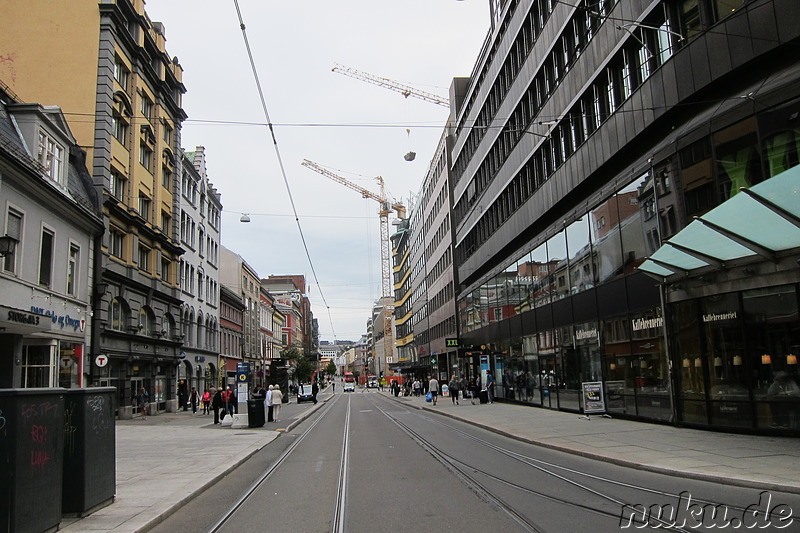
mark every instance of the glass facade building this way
{"type": "Point", "coordinates": [591, 135]}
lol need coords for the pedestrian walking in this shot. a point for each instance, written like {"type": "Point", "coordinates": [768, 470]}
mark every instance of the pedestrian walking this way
{"type": "Point", "coordinates": [433, 388]}
{"type": "Point", "coordinates": [206, 402]}
{"type": "Point", "coordinates": [268, 404]}
{"type": "Point", "coordinates": [490, 386]}
{"type": "Point", "coordinates": [194, 399]}
{"type": "Point", "coordinates": [142, 399]}
{"type": "Point", "coordinates": [415, 387]}
{"type": "Point", "coordinates": [473, 388]}
{"type": "Point", "coordinates": [217, 404]}
{"type": "Point", "coordinates": [276, 397]}
{"type": "Point", "coordinates": [453, 389]}
{"type": "Point", "coordinates": [314, 391]}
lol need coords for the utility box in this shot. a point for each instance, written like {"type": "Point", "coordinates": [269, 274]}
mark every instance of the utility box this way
{"type": "Point", "coordinates": [31, 459]}
{"type": "Point", "coordinates": [89, 450]}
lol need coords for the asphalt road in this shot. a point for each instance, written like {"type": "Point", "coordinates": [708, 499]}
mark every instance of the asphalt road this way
{"type": "Point", "coordinates": [367, 463]}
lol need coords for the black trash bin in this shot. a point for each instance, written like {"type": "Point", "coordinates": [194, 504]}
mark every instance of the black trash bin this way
{"type": "Point", "coordinates": [90, 475]}
{"type": "Point", "coordinates": [484, 396]}
{"type": "Point", "coordinates": [31, 454]}
{"type": "Point", "coordinates": [255, 413]}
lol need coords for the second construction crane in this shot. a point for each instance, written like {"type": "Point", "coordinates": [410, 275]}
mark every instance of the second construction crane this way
{"type": "Point", "coordinates": [386, 208]}
{"type": "Point", "coordinates": [405, 90]}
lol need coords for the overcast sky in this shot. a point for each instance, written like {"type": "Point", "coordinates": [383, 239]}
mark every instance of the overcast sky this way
{"type": "Point", "coordinates": [354, 128]}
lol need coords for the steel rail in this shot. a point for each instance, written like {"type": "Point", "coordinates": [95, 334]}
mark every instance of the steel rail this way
{"type": "Point", "coordinates": [225, 518]}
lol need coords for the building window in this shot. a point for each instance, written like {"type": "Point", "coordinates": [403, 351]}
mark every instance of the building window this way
{"type": "Point", "coordinates": [166, 177]}
{"type": "Point", "coordinates": [167, 134]}
{"type": "Point", "coordinates": [37, 369]}
{"type": "Point", "coordinates": [166, 220]}
{"type": "Point", "coordinates": [117, 185]}
{"type": "Point", "coordinates": [121, 74]}
{"type": "Point", "coordinates": [165, 269]}
{"type": "Point", "coordinates": [144, 258]}
{"type": "Point", "coordinates": [72, 269]}
{"type": "Point", "coordinates": [13, 229]}
{"type": "Point", "coordinates": [145, 325]}
{"type": "Point", "coordinates": [116, 315]}
{"type": "Point", "coordinates": [120, 126]}
{"type": "Point", "coordinates": [51, 156]}
{"type": "Point", "coordinates": [115, 241]}
{"type": "Point", "coordinates": [145, 204]}
{"type": "Point", "coordinates": [46, 258]}
{"type": "Point", "coordinates": [147, 108]}
{"type": "Point", "coordinates": [145, 156]}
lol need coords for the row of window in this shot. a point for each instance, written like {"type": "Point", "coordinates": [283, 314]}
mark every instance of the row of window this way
{"type": "Point", "coordinates": [632, 64]}
{"type": "Point", "coordinates": [200, 333]}
{"type": "Point", "coordinates": [207, 287]}
{"type": "Point", "coordinates": [11, 262]}
{"type": "Point", "coordinates": [649, 45]}
{"type": "Point", "coordinates": [189, 190]}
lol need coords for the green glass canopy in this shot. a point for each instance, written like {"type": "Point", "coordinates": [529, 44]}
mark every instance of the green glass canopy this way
{"type": "Point", "coordinates": [758, 224]}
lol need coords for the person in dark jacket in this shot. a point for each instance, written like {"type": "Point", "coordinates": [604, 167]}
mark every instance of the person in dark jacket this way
{"type": "Point", "coordinates": [217, 404]}
{"type": "Point", "coordinates": [314, 391]}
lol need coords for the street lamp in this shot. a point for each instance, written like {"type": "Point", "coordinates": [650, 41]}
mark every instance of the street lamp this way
{"type": "Point", "coordinates": [7, 245]}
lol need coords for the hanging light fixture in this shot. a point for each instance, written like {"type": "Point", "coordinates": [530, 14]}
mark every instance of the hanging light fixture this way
{"type": "Point", "coordinates": [766, 359]}
{"type": "Point", "coordinates": [698, 362]}
{"type": "Point", "coordinates": [686, 363]}
{"type": "Point", "coordinates": [791, 359]}
{"type": "Point", "coordinates": [7, 245]}
{"type": "Point", "coordinates": [718, 361]}
{"type": "Point", "coordinates": [737, 360]}
{"type": "Point", "coordinates": [244, 218]}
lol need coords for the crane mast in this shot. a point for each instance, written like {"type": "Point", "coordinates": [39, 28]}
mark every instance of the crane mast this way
{"type": "Point", "coordinates": [386, 208]}
{"type": "Point", "coordinates": [405, 90]}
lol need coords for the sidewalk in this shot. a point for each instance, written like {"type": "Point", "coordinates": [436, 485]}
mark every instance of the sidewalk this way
{"type": "Point", "coordinates": [175, 445]}
{"type": "Point", "coordinates": [765, 463]}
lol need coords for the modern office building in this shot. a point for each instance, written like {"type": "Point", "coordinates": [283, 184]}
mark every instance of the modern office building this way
{"type": "Point", "coordinates": [107, 66]}
{"type": "Point", "coordinates": [591, 135]}
{"type": "Point", "coordinates": [425, 312]}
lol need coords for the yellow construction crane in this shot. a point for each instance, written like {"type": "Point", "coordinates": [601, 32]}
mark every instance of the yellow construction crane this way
{"type": "Point", "coordinates": [405, 90]}
{"type": "Point", "coordinates": [386, 208]}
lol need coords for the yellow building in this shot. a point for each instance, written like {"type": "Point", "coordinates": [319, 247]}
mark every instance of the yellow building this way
{"type": "Point", "coordinates": [106, 65]}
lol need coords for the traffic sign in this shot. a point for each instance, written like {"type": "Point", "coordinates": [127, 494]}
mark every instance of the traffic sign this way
{"type": "Point", "coordinates": [101, 360]}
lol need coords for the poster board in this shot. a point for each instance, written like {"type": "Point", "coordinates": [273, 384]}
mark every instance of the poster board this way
{"type": "Point", "coordinates": [592, 397]}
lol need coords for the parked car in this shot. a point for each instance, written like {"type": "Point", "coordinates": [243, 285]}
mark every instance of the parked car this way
{"type": "Point", "coordinates": [304, 393]}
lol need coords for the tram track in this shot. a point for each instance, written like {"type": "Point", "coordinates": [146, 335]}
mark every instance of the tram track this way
{"type": "Point", "coordinates": [551, 469]}
{"type": "Point", "coordinates": [337, 524]}
{"type": "Point", "coordinates": [515, 491]}
{"type": "Point", "coordinates": [466, 472]}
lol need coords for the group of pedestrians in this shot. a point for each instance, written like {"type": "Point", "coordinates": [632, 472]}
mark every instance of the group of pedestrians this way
{"type": "Point", "coordinates": [458, 388]}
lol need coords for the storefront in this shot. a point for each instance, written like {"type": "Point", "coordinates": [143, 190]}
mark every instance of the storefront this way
{"type": "Point", "coordinates": [731, 282]}
{"type": "Point", "coordinates": [42, 348]}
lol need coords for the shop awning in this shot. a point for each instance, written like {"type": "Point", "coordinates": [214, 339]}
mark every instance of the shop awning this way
{"type": "Point", "coordinates": [760, 223]}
